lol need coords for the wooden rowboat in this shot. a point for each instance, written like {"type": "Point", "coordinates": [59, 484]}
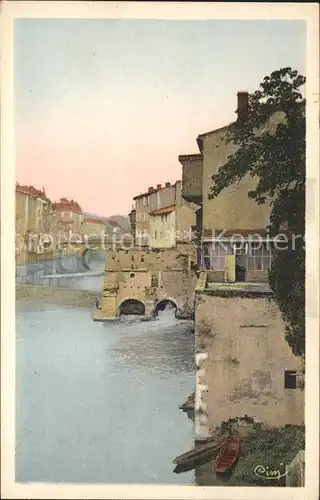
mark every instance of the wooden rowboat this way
{"type": "Point", "coordinates": [197, 456]}
{"type": "Point", "coordinates": [228, 454]}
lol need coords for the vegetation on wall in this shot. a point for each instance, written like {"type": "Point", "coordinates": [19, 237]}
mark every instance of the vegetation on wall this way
{"type": "Point", "coordinates": [277, 160]}
{"type": "Point", "coordinates": [270, 448]}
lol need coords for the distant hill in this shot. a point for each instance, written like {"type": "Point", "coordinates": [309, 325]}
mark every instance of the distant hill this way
{"type": "Point", "coordinates": [120, 220]}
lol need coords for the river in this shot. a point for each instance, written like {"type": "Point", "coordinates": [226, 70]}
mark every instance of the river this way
{"type": "Point", "coordinates": [98, 402]}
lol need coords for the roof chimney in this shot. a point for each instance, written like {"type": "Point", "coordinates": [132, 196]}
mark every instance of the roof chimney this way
{"type": "Point", "coordinates": [243, 105]}
{"type": "Point", "coordinates": [159, 186]}
{"type": "Point", "coordinates": [168, 184]}
{"type": "Point", "coordinates": [150, 189]}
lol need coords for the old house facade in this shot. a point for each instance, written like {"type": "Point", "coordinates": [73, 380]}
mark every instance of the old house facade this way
{"type": "Point", "coordinates": [163, 217]}
{"type": "Point", "coordinates": [244, 364]}
{"type": "Point", "coordinates": [93, 227]}
{"type": "Point", "coordinates": [33, 222]}
{"type": "Point", "coordinates": [67, 219]}
{"type": "Point", "coordinates": [235, 245]}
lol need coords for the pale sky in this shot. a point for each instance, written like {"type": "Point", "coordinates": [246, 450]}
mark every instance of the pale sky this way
{"type": "Point", "coordinates": [103, 108]}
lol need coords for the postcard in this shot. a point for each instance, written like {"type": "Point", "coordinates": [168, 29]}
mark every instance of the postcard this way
{"type": "Point", "coordinates": [159, 243]}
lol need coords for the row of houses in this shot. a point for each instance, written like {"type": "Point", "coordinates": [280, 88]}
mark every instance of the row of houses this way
{"type": "Point", "coordinates": [161, 217]}
{"type": "Point", "coordinates": [39, 221]}
{"type": "Point", "coordinates": [228, 226]}
{"type": "Point", "coordinates": [245, 367]}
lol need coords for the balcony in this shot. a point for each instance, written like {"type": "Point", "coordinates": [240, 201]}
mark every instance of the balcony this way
{"type": "Point", "coordinates": [191, 177]}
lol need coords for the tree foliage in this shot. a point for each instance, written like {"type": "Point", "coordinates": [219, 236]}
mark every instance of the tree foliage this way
{"type": "Point", "coordinates": [276, 158]}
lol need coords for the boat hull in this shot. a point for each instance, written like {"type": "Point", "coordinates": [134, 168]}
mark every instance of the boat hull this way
{"type": "Point", "coordinates": [228, 454]}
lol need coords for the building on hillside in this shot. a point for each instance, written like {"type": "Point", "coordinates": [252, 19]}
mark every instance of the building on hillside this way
{"type": "Point", "coordinates": [33, 221]}
{"type": "Point", "coordinates": [163, 218]}
{"type": "Point", "coordinates": [67, 219]}
{"type": "Point", "coordinates": [245, 366]}
{"type": "Point", "coordinates": [93, 227]}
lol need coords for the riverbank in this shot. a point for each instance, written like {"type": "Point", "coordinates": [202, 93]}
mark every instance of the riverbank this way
{"type": "Point", "coordinates": [48, 294]}
{"type": "Point", "coordinates": [263, 449]}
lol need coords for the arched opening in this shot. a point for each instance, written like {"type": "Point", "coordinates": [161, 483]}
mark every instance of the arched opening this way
{"type": "Point", "coordinates": [132, 307]}
{"type": "Point", "coordinates": [93, 260]}
{"type": "Point", "coordinates": [166, 305]}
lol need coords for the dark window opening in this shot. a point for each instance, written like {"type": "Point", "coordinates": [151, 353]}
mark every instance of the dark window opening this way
{"type": "Point", "coordinates": [290, 379]}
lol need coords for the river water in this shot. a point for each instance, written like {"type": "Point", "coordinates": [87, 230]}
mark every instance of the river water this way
{"type": "Point", "coordinates": [98, 402]}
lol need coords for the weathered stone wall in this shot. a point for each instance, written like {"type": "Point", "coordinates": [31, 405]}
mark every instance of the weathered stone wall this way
{"type": "Point", "coordinates": [150, 277]}
{"type": "Point", "coordinates": [242, 356]}
{"type": "Point", "coordinates": [154, 260]}
{"type": "Point", "coordinates": [232, 209]}
{"type": "Point", "coordinates": [192, 176]}
{"type": "Point", "coordinates": [164, 197]}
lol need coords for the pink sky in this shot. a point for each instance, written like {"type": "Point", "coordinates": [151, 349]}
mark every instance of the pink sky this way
{"type": "Point", "coordinates": [104, 108]}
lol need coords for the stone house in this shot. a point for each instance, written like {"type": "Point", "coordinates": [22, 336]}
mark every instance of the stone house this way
{"type": "Point", "coordinates": [67, 217]}
{"type": "Point", "coordinates": [244, 364]}
{"type": "Point", "coordinates": [163, 217]}
{"type": "Point", "coordinates": [33, 222]}
{"type": "Point", "coordinates": [93, 227]}
{"type": "Point", "coordinates": [235, 245]}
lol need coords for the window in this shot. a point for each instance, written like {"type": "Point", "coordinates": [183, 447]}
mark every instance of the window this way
{"type": "Point", "coordinates": [259, 256]}
{"type": "Point", "coordinates": [240, 248]}
{"type": "Point", "coordinates": [214, 255]}
{"type": "Point", "coordinates": [290, 379]}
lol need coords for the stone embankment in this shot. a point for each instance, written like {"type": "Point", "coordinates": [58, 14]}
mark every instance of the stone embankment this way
{"type": "Point", "coordinates": [55, 295]}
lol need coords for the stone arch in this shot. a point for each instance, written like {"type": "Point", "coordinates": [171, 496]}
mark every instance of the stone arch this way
{"type": "Point", "coordinates": [85, 254]}
{"type": "Point", "coordinates": [163, 303]}
{"type": "Point", "coordinates": [131, 306]}
{"type": "Point", "coordinates": [84, 257]}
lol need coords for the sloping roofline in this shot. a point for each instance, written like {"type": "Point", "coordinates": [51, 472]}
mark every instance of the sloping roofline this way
{"type": "Point", "coordinates": [155, 190]}
{"type": "Point", "coordinates": [210, 132]}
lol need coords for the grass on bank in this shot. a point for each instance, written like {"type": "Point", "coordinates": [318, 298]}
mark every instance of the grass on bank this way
{"type": "Point", "coordinates": [271, 448]}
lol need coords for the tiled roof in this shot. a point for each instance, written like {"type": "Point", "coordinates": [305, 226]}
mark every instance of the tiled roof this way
{"type": "Point", "coordinates": [154, 190]}
{"type": "Point", "coordinates": [32, 191]}
{"type": "Point", "coordinates": [162, 211]}
{"type": "Point", "coordinates": [65, 205]}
